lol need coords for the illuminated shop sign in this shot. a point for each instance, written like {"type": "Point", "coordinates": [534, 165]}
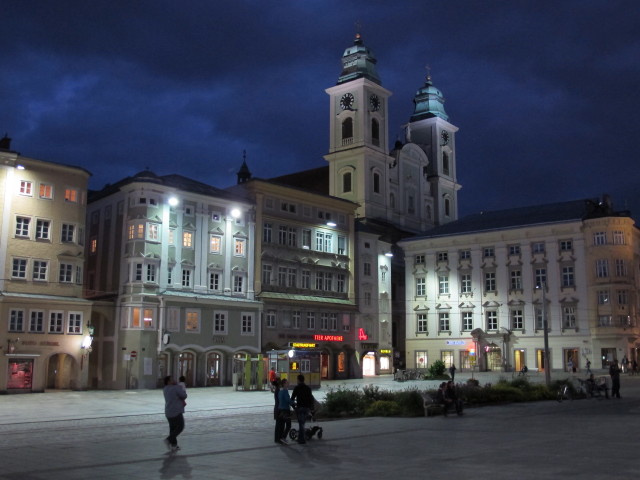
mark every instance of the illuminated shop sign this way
{"type": "Point", "coordinates": [385, 350]}
{"type": "Point", "coordinates": [302, 345]}
{"type": "Point", "coordinates": [328, 338]}
{"type": "Point", "coordinates": [455, 342]}
{"type": "Point", "coordinates": [362, 334]}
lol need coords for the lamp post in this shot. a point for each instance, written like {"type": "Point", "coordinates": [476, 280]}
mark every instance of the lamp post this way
{"type": "Point", "coordinates": [545, 326]}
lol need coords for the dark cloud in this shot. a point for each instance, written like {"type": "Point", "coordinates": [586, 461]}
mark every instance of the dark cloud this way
{"type": "Point", "coordinates": [545, 93]}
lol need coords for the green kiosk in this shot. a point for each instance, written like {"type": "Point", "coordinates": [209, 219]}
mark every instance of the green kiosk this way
{"type": "Point", "coordinates": [300, 358]}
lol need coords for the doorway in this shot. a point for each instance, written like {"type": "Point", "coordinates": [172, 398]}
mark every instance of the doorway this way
{"type": "Point", "coordinates": [214, 370]}
{"type": "Point", "coordinates": [324, 366]}
{"type": "Point", "coordinates": [60, 371]}
{"type": "Point", "coordinates": [186, 363]}
{"type": "Point", "coordinates": [369, 364]}
{"type": "Point", "coordinates": [519, 359]}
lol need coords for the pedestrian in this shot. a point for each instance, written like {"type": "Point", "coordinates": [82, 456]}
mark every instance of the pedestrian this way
{"type": "Point", "coordinates": [283, 421]}
{"type": "Point", "coordinates": [303, 402]}
{"type": "Point", "coordinates": [174, 402]}
{"type": "Point", "coordinates": [452, 372]}
{"type": "Point", "coordinates": [276, 390]}
{"type": "Point", "coordinates": [625, 364]}
{"type": "Point", "coordinates": [452, 396]}
{"type": "Point", "coordinates": [570, 365]}
{"type": "Point", "coordinates": [588, 367]}
{"type": "Point", "coordinates": [634, 367]}
{"type": "Point", "coordinates": [614, 371]}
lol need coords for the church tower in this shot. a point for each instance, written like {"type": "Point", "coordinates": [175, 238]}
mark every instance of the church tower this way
{"type": "Point", "coordinates": [429, 128]}
{"type": "Point", "coordinates": [359, 134]}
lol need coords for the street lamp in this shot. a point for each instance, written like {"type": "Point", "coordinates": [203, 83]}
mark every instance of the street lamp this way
{"type": "Point", "coordinates": [545, 326]}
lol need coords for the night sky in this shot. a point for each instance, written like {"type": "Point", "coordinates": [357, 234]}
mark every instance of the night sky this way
{"type": "Point", "coordinates": [546, 93]}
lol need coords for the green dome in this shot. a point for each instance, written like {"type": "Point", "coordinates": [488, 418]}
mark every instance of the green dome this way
{"type": "Point", "coordinates": [429, 102]}
{"type": "Point", "coordinates": [358, 62]}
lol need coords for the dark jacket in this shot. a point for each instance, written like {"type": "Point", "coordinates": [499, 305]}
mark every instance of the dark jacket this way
{"type": "Point", "coordinates": [302, 396]}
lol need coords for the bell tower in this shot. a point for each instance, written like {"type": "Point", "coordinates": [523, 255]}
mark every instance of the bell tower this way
{"type": "Point", "coordinates": [359, 133]}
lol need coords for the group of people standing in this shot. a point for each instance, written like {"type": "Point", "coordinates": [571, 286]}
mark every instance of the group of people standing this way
{"type": "Point", "coordinates": [301, 400]}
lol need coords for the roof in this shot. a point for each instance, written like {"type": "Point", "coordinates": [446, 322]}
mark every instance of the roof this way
{"type": "Point", "coordinates": [315, 180]}
{"type": "Point", "coordinates": [306, 298]}
{"type": "Point", "coordinates": [575, 210]}
{"type": "Point", "coordinates": [175, 181]}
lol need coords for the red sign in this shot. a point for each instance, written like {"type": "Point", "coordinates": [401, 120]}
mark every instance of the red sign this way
{"type": "Point", "coordinates": [362, 335]}
{"type": "Point", "coordinates": [134, 354]}
{"type": "Point", "coordinates": [328, 338]}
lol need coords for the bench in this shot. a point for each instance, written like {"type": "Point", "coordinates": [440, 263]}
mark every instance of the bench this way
{"type": "Point", "coordinates": [431, 408]}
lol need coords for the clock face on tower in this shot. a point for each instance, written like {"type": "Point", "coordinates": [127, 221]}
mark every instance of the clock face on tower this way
{"type": "Point", "coordinates": [347, 101]}
{"type": "Point", "coordinates": [374, 102]}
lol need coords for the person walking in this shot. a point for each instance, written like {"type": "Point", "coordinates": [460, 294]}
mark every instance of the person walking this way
{"type": "Point", "coordinates": [625, 364]}
{"type": "Point", "coordinates": [614, 372]}
{"type": "Point", "coordinates": [303, 402]}
{"type": "Point", "coordinates": [452, 372]}
{"type": "Point", "coordinates": [283, 421]}
{"type": "Point", "coordinates": [174, 402]}
{"type": "Point", "coordinates": [275, 385]}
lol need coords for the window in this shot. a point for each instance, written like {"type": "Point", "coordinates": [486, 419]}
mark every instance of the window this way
{"type": "Point", "coordinates": [566, 245]}
{"type": "Point", "coordinates": [40, 270]}
{"type": "Point", "coordinates": [306, 279]}
{"type": "Point", "coordinates": [78, 274]}
{"type": "Point", "coordinates": [618, 238]}
{"type": "Point", "coordinates": [492, 320]}
{"type": "Point", "coordinates": [514, 249]}
{"type": "Point", "coordinates": [56, 322]}
{"type": "Point", "coordinates": [605, 321]}
{"type": "Point", "coordinates": [346, 322]}
{"type": "Point", "coordinates": [515, 280]}
{"type": "Point", "coordinates": [443, 321]}
{"type": "Point", "coordinates": [240, 247]}
{"type": "Point", "coordinates": [537, 247]}
{"type": "Point", "coordinates": [74, 323]}
{"type": "Point", "coordinates": [328, 282]}
{"type": "Point", "coordinates": [220, 323]}
{"type": "Point", "coordinates": [295, 319]}
{"type": "Point", "coordinates": [367, 298]}
{"type": "Point", "coordinates": [46, 191]}
{"type": "Point", "coordinates": [347, 131]}
{"type": "Point", "coordinates": [267, 271]}
{"type": "Point", "coordinates": [215, 242]}
{"type": "Point", "coordinates": [22, 226]}
{"type": "Point", "coordinates": [16, 321]}
{"type": "Point", "coordinates": [71, 195]}
{"type": "Point", "coordinates": [271, 319]}
{"type": "Point", "coordinates": [311, 321]}
{"type": "Point", "coordinates": [341, 283]}
{"type": "Point", "coordinates": [136, 272]}
{"type": "Point", "coordinates": [153, 232]}
{"type": "Point", "coordinates": [66, 273]}
{"type": "Point", "coordinates": [151, 273]}
{"type": "Point", "coordinates": [603, 297]}
{"type": "Point", "coordinates": [319, 280]}
{"type": "Point", "coordinates": [246, 324]}
{"type": "Point", "coordinates": [324, 321]}
{"type": "Point", "coordinates": [187, 239]}
{"type": "Point", "coordinates": [186, 277]}
{"type": "Point", "coordinates": [568, 278]}
{"type": "Point", "coordinates": [447, 207]}
{"type": "Point", "coordinates": [443, 284]}
{"type": "Point", "coordinates": [376, 182]}
{"type": "Point", "coordinates": [291, 277]}
{"type": "Point", "coordinates": [238, 284]}
{"type": "Point", "coordinates": [346, 182]}
{"type": "Point", "coordinates": [419, 259]}
{"type": "Point", "coordinates": [342, 245]}
{"type": "Point", "coordinates": [93, 245]}
{"type": "Point", "coordinates": [467, 321]}
{"type": "Point", "coordinates": [36, 322]}
{"type": "Point", "coordinates": [367, 269]}
{"type": "Point", "coordinates": [490, 281]}
{"type": "Point", "coordinates": [465, 254]}
{"type": "Point", "coordinates": [602, 268]}
{"type": "Point", "coordinates": [282, 276]}
{"type": "Point", "coordinates": [267, 233]}
{"type": "Point", "coordinates": [443, 256]}
{"type": "Point", "coordinates": [19, 268]}
{"type": "Point", "coordinates": [600, 238]}
{"type": "Point", "coordinates": [445, 163]}
{"type": "Point", "coordinates": [26, 187]}
{"type": "Point", "coordinates": [333, 322]}
{"type": "Point", "coordinates": [488, 252]}
{"type": "Point", "coordinates": [421, 326]}
{"type": "Point", "coordinates": [621, 267]}
{"type": "Point", "coordinates": [569, 316]}
{"type": "Point", "coordinates": [288, 207]}
{"type": "Point", "coordinates": [539, 318]}
{"type": "Point", "coordinates": [623, 297]}
{"type": "Point", "coordinates": [375, 132]}
{"type": "Point", "coordinates": [43, 227]}
{"type": "Point", "coordinates": [465, 283]}
{"type": "Point", "coordinates": [421, 287]}
{"type": "Point", "coordinates": [214, 281]}
{"type": "Point", "coordinates": [517, 319]}
{"type": "Point", "coordinates": [67, 234]}
{"type": "Point", "coordinates": [172, 236]}
{"type": "Point", "coordinates": [540, 277]}
{"type": "Point", "coordinates": [192, 321]}
{"type": "Point", "coordinates": [306, 239]}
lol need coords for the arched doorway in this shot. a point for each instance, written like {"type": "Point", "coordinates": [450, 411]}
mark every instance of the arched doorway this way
{"type": "Point", "coordinates": [61, 371]}
{"type": "Point", "coordinates": [186, 364]}
{"type": "Point", "coordinates": [369, 364]}
{"type": "Point", "coordinates": [214, 369]}
{"type": "Point", "coordinates": [324, 365]}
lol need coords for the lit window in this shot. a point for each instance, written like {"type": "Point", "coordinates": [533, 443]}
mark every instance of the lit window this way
{"type": "Point", "coordinates": [192, 321]}
{"type": "Point", "coordinates": [71, 195]}
{"type": "Point", "coordinates": [153, 232]}
{"type": "Point", "coordinates": [239, 249]}
{"type": "Point", "coordinates": [93, 247]}
{"type": "Point", "coordinates": [215, 243]}
{"type": "Point", "coordinates": [46, 191]}
{"type": "Point", "coordinates": [187, 239]}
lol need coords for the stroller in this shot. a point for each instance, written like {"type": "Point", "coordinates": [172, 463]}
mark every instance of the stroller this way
{"type": "Point", "coordinates": [309, 432]}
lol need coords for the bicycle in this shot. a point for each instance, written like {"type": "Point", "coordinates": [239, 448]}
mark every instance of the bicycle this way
{"type": "Point", "coordinates": [564, 393]}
